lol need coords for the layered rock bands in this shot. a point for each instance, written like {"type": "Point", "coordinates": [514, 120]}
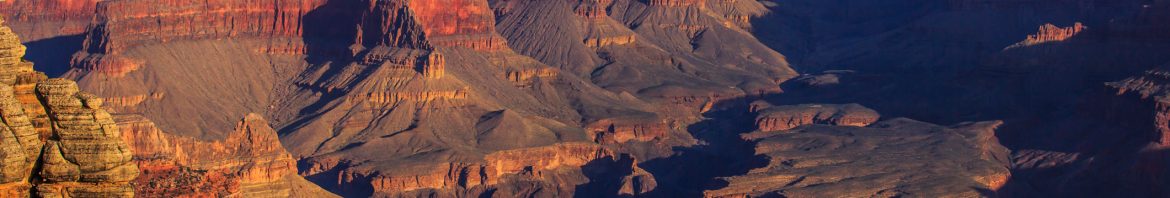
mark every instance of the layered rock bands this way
{"type": "Point", "coordinates": [56, 141]}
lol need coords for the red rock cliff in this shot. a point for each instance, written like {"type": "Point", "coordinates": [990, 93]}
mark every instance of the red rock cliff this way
{"type": "Point", "coordinates": [42, 19]}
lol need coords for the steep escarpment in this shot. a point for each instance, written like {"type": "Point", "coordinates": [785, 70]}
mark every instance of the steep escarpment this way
{"type": "Point", "coordinates": [58, 142]}
{"type": "Point", "coordinates": [39, 20]}
{"type": "Point", "coordinates": [846, 161]}
{"type": "Point", "coordinates": [121, 25]}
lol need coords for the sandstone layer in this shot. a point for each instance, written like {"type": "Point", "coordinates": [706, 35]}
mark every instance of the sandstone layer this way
{"type": "Point", "coordinates": [776, 118]}
{"type": "Point", "coordinates": [57, 141]}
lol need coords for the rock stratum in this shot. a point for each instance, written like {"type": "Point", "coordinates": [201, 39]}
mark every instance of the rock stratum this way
{"type": "Point", "coordinates": [39, 20]}
{"type": "Point", "coordinates": [57, 141]}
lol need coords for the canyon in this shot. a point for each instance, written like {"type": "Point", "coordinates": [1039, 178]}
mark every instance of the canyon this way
{"type": "Point", "coordinates": [583, 98]}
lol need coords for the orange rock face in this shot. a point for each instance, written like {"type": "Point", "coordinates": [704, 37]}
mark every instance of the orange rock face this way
{"type": "Point", "coordinates": [464, 23]}
{"type": "Point", "coordinates": [787, 117]}
{"type": "Point", "coordinates": [498, 169]}
{"type": "Point", "coordinates": [46, 19]}
{"type": "Point", "coordinates": [1051, 33]}
{"type": "Point", "coordinates": [526, 77]}
{"type": "Point", "coordinates": [249, 162]}
{"type": "Point", "coordinates": [112, 65]}
{"type": "Point", "coordinates": [125, 24]}
{"type": "Point", "coordinates": [624, 130]}
{"type": "Point", "coordinates": [54, 140]}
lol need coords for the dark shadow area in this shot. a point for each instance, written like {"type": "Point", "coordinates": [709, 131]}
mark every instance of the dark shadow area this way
{"type": "Point", "coordinates": [605, 176]}
{"type": "Point", "coordinates": [52, 55]}
{"type": "Point", "coordinates": [723, 153]}
{"type": "Point", "coordinates": [911, 60]}
{"type": "Point", "coordinates": [357, 186]}
{"type": "Point", "coordinates": [329, 32]}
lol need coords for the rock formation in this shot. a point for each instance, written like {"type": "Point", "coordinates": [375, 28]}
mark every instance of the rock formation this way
{"type": "Point", "coordinates": [1051, 33]}
{"type": "Point", "coordinates": [897, 157]}
{"type": "Point", "coordinates": [619, 130]}
{"type": "Point", "coordinates": [787, 117]}
{"type": "Point", "coordinates": [501, 169]}
{"type": "Point", "coordinates": [57, 141]}
{"type": "Point", "coordinates": [250, 162]}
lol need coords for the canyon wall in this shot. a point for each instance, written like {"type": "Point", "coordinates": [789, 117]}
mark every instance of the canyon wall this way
{"type": "Point", "coordinates": [38, 20]}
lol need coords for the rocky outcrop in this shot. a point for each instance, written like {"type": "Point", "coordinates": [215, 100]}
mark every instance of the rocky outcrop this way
{"type": "Point", "coordinates": [459, 23]}
{"type": "Point", "coordinates": [897, 157]}
{"type": "Point", "coordinates": [621, 130]}
{"type": "Point", "coordinates": [124, 24]}
{"type": "Point", "coordinates": [86, 155]}
{"type": "Point", "coordinates": [546, 158]}
{"type": "Point", "coordinates": [780, 118]}
{"type": "Point", "coordinates": [497, 170]}
{"type": "Point", "coordinates": [527, 77]}
{"type": "Point", "coordinates": [422, 96]}
{"type": "Point", "coordinates": [676, 3]}
{"type": "Point", "coordinates": [1050, 33]}
{"type": "Point", "coordinates": [111, 65]}
{"type": "Point", "coordinates": [250, 162]}
{"type": "Point", "coordinates": [57, 142]}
